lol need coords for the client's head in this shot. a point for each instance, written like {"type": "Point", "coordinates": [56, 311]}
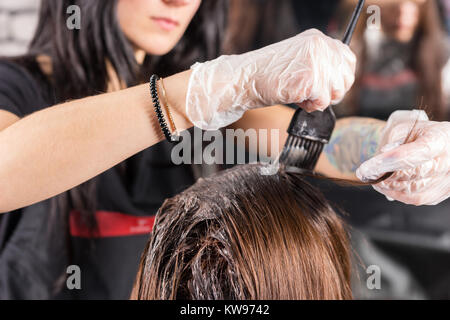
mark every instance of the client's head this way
{"type": "Point", "coordinates": [243, 235]}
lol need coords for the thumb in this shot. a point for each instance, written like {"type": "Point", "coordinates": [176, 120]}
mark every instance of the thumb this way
{"type": "Point", "coordinates": [404, 157]}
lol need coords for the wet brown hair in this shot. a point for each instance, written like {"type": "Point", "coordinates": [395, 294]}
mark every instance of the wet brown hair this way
{"type": "Point", "coordinates": [244, 235]}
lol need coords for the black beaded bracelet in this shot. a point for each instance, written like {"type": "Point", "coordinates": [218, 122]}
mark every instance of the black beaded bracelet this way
{"type": "Point", "coordinates": [157, 106]}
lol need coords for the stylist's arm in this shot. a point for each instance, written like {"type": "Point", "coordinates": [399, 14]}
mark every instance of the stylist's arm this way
{"type": "Point", "coordinates": [58, 148]}
{"type": "Point", "coordinates": [421, 168]}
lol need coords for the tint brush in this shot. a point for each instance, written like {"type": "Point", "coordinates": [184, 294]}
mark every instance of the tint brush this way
{"type": "Point", "coordinates": [310, 132]}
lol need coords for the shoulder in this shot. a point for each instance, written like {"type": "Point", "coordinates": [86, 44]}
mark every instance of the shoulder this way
{"type": "Point", "coordinates": [20, 92]}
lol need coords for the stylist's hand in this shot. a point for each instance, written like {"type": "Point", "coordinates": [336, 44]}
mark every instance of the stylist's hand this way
{"type": "Point", "coordinates": [421, 168]}
{"type": "Point", "coordinates": [310, 69]}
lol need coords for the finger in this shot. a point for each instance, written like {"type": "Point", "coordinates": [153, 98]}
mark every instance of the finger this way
{"type": "Point", "coordinates": [349, 79]}
{"type": "Point", "coordinates": [404, 157]}
{"type": "Point", "coordinates": [322, 102]}
{"type": "Point", "coordinates": [337, 96]}
{"type": "Point", "coordinates": [399, 133]}
{"type": "Point", "coordinates": [349, 57]}
{"type": "Point", "coordinates": [312, 31]}
{"type": "Point", "coordinates": [433, 168]}
{"type": "Point", "coordinates": [409, 187]}
{"type": "Point", "coordinates": [391, 146]}
{"type": "Point", "coordinates": [314, 105]}
{"type": "Point", "coordinates": [307, 106]}
{"type": "Point", "coordinates": [400, 116]}
{"type": "Point", "coordinates": [338, 90]}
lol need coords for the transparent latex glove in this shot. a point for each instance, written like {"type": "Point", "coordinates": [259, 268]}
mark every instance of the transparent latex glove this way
{"type": "Point", "coordinates": [421, 168]}
{"type": "Point", "coordinates": [310, 69]}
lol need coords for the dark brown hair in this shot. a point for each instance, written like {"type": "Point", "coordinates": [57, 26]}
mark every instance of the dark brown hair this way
{"type": "Point", "coordinates": [257, 23]}
{"type": "Point", "coordinates": [244, 235]}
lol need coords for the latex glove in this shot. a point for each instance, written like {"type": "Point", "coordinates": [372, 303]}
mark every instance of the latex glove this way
{"type": "Point", "coordinates": [310, 69]}
{"type": "Point", "coordinates": [421, 168]}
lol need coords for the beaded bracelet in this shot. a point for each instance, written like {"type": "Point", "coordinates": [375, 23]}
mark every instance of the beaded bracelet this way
{"type": "Point", "coordinates": [157, 106]}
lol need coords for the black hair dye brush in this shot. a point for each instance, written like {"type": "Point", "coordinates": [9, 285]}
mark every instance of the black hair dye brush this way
{"type": "Point", "coordinates": [310, 132]}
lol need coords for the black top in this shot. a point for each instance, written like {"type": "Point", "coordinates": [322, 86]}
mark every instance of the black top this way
{"type": "Point", "coordinates": [31, 261]}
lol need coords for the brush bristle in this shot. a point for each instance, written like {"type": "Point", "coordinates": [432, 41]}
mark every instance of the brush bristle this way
{"type": "Point", "coordinates": [301, 153]}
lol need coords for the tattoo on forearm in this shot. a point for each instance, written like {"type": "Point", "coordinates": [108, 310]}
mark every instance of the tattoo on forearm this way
{"type": "Point", "coordinates": [352, 144]}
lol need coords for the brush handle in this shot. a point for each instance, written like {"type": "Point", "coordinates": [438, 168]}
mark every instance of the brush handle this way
{"type": "Point", "coordinates": [328, 114]}
{"type": "Point", "coordinates": [351, 28]}
{"type": "Point", "coordinates": [353, 22]}
{"type": "Point", "coordinates": [347, 39]}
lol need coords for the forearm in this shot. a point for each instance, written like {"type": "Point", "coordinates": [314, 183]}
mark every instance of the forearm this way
{"type": "Point", "coordinates": [60, 147]}
{"type": "Point", "coordinates": [354, 141]}
{"type": "Point", "coordinates": [274, 121]}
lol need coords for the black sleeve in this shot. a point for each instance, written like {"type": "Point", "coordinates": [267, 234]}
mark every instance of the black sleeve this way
{"type": "Point", "coordinates": [19, 93]}
{"type": "Point", "coordinates": [25, 271]}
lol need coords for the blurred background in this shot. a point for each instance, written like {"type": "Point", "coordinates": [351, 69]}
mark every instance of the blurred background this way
{"type": "Point", "coordinates": [18, 20]}
{"type": "Point", "coordinates": [402, 64]}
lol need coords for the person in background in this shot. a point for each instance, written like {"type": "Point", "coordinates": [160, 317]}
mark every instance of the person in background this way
{"type": "Point", "coordinates": [402, 65]}
{"type": "Point", "coordinates": [445, 10]}
{"type": "Point", "coordinates": [316, 14]}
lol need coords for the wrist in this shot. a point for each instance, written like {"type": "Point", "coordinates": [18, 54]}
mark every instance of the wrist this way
{"type": "Point", "coordinates": [176, 90]}
{"type": "Point", "coordinates": [217, 93]}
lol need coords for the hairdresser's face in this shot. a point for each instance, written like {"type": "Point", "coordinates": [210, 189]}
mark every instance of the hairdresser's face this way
{"type": "Point", "coordinates": [400, 18]}
{"type": "Point", "coordinates": [155, 26]}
